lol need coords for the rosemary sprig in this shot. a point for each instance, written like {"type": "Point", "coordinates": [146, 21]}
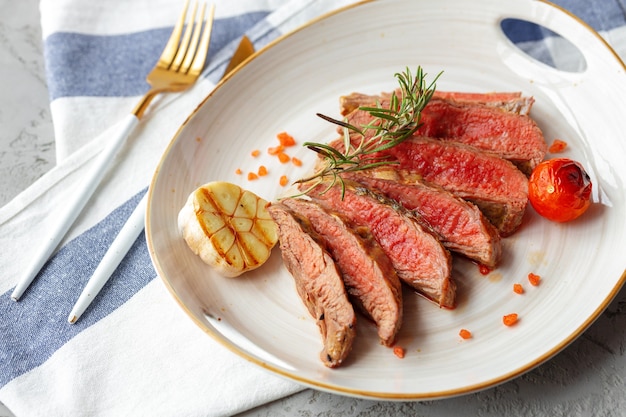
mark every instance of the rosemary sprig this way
{"type": "Point", "coordinates": [389, 127]}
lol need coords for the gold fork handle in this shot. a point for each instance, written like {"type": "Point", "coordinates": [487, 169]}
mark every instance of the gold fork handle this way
{"type": "Point", "coordinates": [145, 101]}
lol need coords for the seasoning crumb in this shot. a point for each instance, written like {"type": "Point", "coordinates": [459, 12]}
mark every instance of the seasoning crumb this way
{"type": "Point", "coordinates": [534, 279]}
{"type": "Point", "coordinates": [262, 171]}
{"type": "Point", "coordinates": [484, 269]}
{"type": "Point", "coordinates": [275, 150]}
{"type": "Point", "coordinates": [518, 289]}
{"type": "Point", "coordinates": [557, 146]}
{"type": "Point", "coordinates": [252, 176]}
{"type": "Point", "coordinates": [255, 153]}
{"type": "Point", "coordinates": [283, 180]}
{"type": "Point", "coordinates": [509, 319]}
{"type": "Point", "coordinates": [283, 157]}
{"type": "Point", "coordinates": [238, 171]}
{"type": "Point", "coordinates": [465, 334]}
{"type": "Point", "coordinates": [399, 351]}
{"type": "Point", "coordinates": [296, 161]}
{"type": "Point", "coordinates": [285, 139]}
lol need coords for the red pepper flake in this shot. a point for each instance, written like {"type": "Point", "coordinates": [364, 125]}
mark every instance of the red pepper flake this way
{"type": "Point", "coordinates": [285, 139]}
{"type": "Point", "coordinates": [275, 150]}
{"type": "Point", "coordinates": [296, 161]}
{"type": "Point", "coordinates": [534, 279]}
{"type": "Point", "coordinates": [283, 157]}
{"type": "Point", "coordinates": [399, 351]}
{"type": "Point", "coordinates": [283, 180]}
{"type": "Point", "coordinates": [238, 171]}
{"type": "Point", "coordinates": [557, 146]}
{"type": "Point", "coordinates": [484, 269]}
{"type": "Point", "coordinates": [465, 334]}
{"type": "Point", "coordinates": [255, 153]}
{"type": "Point", "coordinates": [252, 176]}
{"type": "Point", "coordinates": [262, 171]}
{"type": "Point", "coordinates": [509, 319]}
{"type": "Point", "coordinates": [518, 289]}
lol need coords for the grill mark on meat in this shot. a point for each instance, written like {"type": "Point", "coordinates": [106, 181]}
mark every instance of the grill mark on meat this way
{"type": "Point", "coordinates": [367, 272]}
{"type": "Point", "coordinates": [511, 136]}
{"type": "Point", "coordinates": [460, 225]}
{"type": "Point", "coordinates": [418, 257]}
{"type": "Point", "coordinates": [318, 283]}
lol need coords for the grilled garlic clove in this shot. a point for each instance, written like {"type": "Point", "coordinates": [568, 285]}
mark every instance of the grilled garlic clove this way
{"type": "Point", "coordinates": [228, 227]}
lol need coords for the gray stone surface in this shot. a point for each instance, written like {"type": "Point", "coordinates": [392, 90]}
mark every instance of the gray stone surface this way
{"type": "Point", "coordinates": [587, 379]}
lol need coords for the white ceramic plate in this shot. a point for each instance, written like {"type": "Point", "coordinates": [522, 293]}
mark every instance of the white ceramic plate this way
{"type": "Point", "coordinates": [260, 316]}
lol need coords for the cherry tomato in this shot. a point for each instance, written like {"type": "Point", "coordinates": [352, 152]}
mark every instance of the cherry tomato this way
{"type": "Point", "coordinates": [559, 189]}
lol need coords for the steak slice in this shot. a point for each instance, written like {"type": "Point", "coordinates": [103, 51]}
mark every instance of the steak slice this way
{"type": "Point", "coordinates": [512, 136]}
{"type": "Point", "coordinates": [493, 184]}
{"type": "Point", "coordinates": [418, 257]}
{"type": "Point", "coordinates": [513, 102]}
{"type": "Point", "coordinates": [460, 225]}
{"type": "Point", "coordinates": [318, 283]}
{"type": "Point", "coordinates": [367, 272]}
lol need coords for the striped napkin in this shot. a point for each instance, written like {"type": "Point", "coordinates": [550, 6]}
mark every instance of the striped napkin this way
{"type": "Point", "coordinates": [134, 352]}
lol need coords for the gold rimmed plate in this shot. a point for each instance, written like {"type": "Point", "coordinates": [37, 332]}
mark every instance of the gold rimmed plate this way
{"type": "Point", "coordinates": [260, 316]}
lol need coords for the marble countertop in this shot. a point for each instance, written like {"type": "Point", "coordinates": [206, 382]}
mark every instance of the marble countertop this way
{"type": "Point", "coordinates": [587, 378]}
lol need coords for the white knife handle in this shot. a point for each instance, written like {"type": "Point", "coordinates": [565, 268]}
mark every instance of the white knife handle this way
{"type": "Point", "coordinates": [121, 245]}
{"type": "Point", "coordinates": [75, 206]}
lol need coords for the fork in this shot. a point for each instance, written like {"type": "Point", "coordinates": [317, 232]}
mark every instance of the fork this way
{"type": "Point", "coordinates": [135, 223]}
{"type": "Point", "coordinates": [177, 69]}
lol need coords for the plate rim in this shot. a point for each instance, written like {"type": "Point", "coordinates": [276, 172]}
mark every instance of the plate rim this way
{"type": "Point", "coordinates": [333, 388]}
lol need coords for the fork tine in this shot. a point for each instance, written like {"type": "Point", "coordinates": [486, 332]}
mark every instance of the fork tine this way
{"type": "Point", "coordinates": [203, 47]}
{"type": "Point", "coordinates": [172, 44]}
{"type": "Point", "coordinates": [184, 42]}
{"type": "Point", "coordinates": [193, 43]}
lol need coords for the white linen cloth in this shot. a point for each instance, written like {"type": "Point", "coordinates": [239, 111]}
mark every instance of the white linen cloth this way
{"type": "Point", "coordinates": [134, 351]}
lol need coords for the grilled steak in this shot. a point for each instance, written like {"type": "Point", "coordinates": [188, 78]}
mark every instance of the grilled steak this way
{"type": "Point", "coordinates": [512, 136]}
{"type": "Point", "coordinates": [493, 184]}
{"type": "Point", "coordinates": [498, 188]}
{"type": "Point", "coordinates": [460, 225]}
{"type": "Point", "coordinates": [318, 283]}
{"type": "Point", "coordinates": [417, 256]}
{"type": "Point", "coordinates": [367, 272]}
{"type": "Point", "coordinates": [512, 102]}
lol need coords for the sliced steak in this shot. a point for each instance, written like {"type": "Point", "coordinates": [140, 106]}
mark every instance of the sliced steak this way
{"type": "Point", "coordinates": [513, 102]}
{"type": "Point", "coordinates": [318, 283]}
{"type": "Point", "coordinates": [367, 272]}
{"type": "Point", "coordinates": [493, 184]}
{"type": "Point", "coordinates": [460, 225]}
{"type": "Point", "coordinates": [512, 136]}
{"type": "Point", "coordinates": [418, 257]}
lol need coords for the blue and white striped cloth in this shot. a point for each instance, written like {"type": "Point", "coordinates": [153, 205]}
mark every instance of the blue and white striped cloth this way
{"type": "Point", "coordinates": [134, 352]}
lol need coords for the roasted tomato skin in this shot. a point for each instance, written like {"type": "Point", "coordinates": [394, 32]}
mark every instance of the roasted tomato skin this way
{"type": "Point", "coordinates": [559, 189]}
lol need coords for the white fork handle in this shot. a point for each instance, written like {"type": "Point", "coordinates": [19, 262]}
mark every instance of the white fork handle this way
{"type": "Point", "coordinates": [75, 206]}
{"type": "Point", "coordinates": [109, 263]}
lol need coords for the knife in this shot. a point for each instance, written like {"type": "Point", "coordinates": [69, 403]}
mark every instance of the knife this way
{"type": "Point", "coordinates": [136, 222]}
